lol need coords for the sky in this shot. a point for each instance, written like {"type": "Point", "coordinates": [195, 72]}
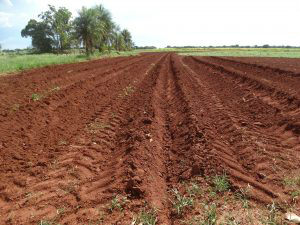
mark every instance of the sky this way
{"type": "Point", "coordinates": [173, 22]}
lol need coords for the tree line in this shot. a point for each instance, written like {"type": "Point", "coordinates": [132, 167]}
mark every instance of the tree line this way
{"type": "Point", "coordinates": [93, 29]}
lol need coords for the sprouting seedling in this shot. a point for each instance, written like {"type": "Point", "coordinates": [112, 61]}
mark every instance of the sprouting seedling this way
{"type": "Point", "coordinates": [181, 201]}
{"type": "Point", "coordinates": [36, 97]}
{"type": "Point", "coordinates": [118, 202]}
{"type": "Point", "coordinates": [221, 183]}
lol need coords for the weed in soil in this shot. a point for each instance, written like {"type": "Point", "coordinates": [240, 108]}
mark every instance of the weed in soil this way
{"type": "Point", "coordinates": [118, 202]}
{"type": "Point", "coordinates": [181, 202]}
{"type": "Point", "coordinates": [221, 183]}
{"type": "Point", "coordinates": [146, 218]}
{"type": "Point", "coordinates": [36, 97]}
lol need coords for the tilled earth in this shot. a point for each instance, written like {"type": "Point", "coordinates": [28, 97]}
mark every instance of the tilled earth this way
{"type": "Point", "coordinates": [113, 141]}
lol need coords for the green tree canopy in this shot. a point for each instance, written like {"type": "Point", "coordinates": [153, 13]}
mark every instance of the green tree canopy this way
{"type": "Point", "coordinates": [61, 25]}
{"type": "Point", "coordinates": [41, 33]}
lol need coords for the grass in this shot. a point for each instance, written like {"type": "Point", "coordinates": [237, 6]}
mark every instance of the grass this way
{"type": "Point", "coordinates": [244, 52]}
{"type": "Point", "coordinates": [242, 195]}
{"type": "Point", "coordinates": [293, 184]}
{"type": "Point", "coordinates": [272, 218]}
{"type": "Point", "coordinates": [239, 52]}
{"type": "Point", "coordinates": [221, 183]}
{"type": "Point", "coordinates": [17, 62]}
{"type": "Point", "coordinates": [181, 202]}
{"type": "Point", "coordinates": [210, 215]}
{"type": "Point", "coordinates": [36, 97]}
{"type": "Point", "coordinates": [117, 203]}
{"type": "Point", "coordinates": [146, 218]}
{"type": "Point", "coordinates": [292, 181]}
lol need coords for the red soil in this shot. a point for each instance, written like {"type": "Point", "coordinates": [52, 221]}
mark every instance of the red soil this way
{"type": "Point", "coordinates": [139, 126]}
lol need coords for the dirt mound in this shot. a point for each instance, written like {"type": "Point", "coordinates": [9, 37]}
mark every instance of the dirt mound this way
{"type": "Point", "coordinates": [156, 137]}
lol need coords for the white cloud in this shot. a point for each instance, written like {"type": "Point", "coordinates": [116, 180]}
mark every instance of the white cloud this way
{"type": "Point", "coordinates": [5, 19]}
{"type": "Point", "coordinates": [6, 2]}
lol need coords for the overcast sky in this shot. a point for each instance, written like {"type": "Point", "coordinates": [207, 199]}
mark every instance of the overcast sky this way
{"type": "Point", "coordinates": [174, 22]}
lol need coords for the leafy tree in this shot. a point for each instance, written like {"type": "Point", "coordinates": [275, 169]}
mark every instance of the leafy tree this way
{"type": "Point", "coordinates": [60, 23]}
{"type": "Point", "coordinates": [41, 33]}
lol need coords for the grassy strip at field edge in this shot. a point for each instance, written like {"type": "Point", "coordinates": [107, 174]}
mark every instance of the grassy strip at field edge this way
{"type": "Point", "coordinates": [15, 62]}
{"type": "Point", "coordinates": [244, 52]}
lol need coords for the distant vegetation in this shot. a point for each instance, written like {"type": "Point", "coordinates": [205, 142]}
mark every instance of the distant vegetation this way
{"type": "Point", "coordinates": [56, 31]}
{"type": "Point", "coordinates": [236, 46]}
{"type": "Point", "coordinates": [238, 52]}
{"type": "Point", "coordinates": [241, 52]}
{"type": "Point", "coordinates": [145, 47]}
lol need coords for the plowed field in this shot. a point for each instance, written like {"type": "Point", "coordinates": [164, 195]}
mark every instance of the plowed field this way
{"type": "Point", "coordinates": [108, 141]}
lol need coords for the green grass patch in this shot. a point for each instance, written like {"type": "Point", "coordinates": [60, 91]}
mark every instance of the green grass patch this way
{"type": "Point", "coordinates": [118, 203]}
{"type": "Point", "coordinates": [221, 183]}
{"type": "Point", "coordinates": [244, 52]}
{"type": "Point", "coordinates": [36, 97]}
{"type": "Point", "coordinates": [181, 202]}
{"type": "Point", "coordinates": [146, 218]}
{"type": "Point", "coordinates": [17, 62]}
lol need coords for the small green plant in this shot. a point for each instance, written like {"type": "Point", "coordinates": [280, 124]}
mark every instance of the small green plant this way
{"type": "Point", "coordinates": [292, 181]}
{"type": "Point", "coordinates": [221, 183]}
{"type": "Point", "coordinates": [36, 97]}
{"type": "Point", "coordinates": [146, 218]}
{"type": "Point", "coordinates": [242, 195]}
{"type": "Point", "coordinates": [118, 202]}
{"type": "Point", "coordinates": [210, 215]}
{"type": "Point", "coordinates": [181, 202]}
{"type": "Point", "coordinates": [295, 194]}
{"type": "Point", "coordinates": [212, 193]}
{"type": "Point", "coordinates": [272, 218]}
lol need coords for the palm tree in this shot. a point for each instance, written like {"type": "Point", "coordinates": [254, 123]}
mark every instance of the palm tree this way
{"type": "Point", "coordinates": [92, 27]}
{"type": "Point", "coordinates": [83, 25]}
{"type": "Point", "coordinates": [127, 39]}
{"type": "Point", "coordinates": [117, 39]}
{"type": "Point", "coordinates": [104, 20]}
